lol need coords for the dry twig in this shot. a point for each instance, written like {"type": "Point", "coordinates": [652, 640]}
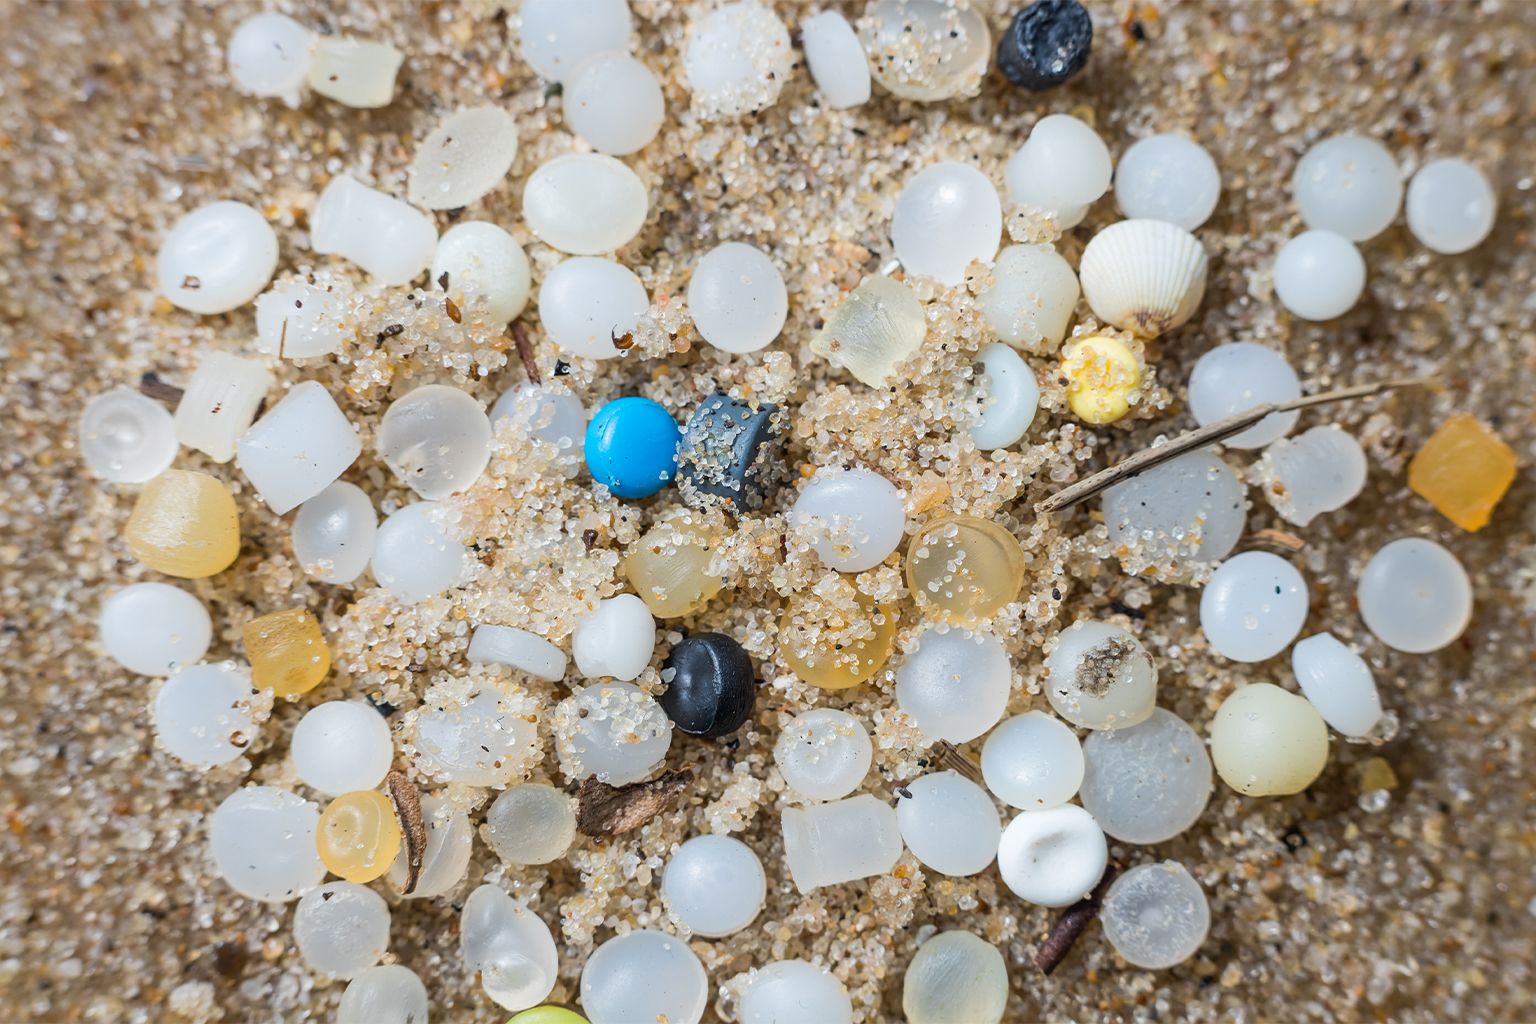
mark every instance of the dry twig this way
{"type": "Point", "coordinates": [525, 349]}
{"type": "Point", "coordinates": [413, 830]}
{"type": "Point", "coordinates": [151, 385]}
{"type": "Point", "coordinates": [1072, 922]}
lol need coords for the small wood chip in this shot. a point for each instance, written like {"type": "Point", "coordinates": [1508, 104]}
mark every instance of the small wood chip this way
{"type": "Point", "coordinates": [453, 311]}
{"type": "Point", "coordinates": [151, 385]}
{"type": "Point", "coordinates": [1072, 922]}
{"type": "Point", "coordinates": [604, 810]}
{"type": "Point", "coordinates": [525, 349]}
{"type": "Point", "coordinates": [413, 830]}
{"type": "Point", "coordinates": [1274, 541]}
{"type": "Point", "coordinates": [947, 755]}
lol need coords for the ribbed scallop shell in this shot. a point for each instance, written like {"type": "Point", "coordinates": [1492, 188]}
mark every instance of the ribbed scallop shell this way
{"type": "Point", "coordinates": [1145, 276]}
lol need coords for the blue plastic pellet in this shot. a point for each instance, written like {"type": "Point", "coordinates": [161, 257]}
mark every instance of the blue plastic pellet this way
{"type": "Point", "coordinates": [631, 447]}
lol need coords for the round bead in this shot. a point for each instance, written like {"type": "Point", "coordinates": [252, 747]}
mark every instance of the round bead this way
{"type": "Point", "coordinates": [1062, 166]}
{"type": "Point", "coordinates": [1338, 682]}
{"type": "Point", "coordinates": [1047, 43]}
{"type": "Point", "coordinates": [548, 1015]}
{"type": "Point", "coordinates": [482, 260]}
{"type": "Point", "coordinates": [925, 49]}
{"type": "Point", "coordinates": [217, 258]}
{"type": "Point", "coordinates": [737, 58]}
{"type": "Point", "coordinates": [531, 824]}
{"type": "Point", "coordinates": [832, 643]}
{"type": "Point", "coordinates": [1102, 378]}
{"type": "Point", "coordinates": [737, 298]}
{"type": "Point", "coordinates": [631, 447]}
{"type": "Point", "coordinates": [450, 840]}
{"type": "Point", "coordinates": [203, 713]}
{"type": "Point", "coordinates": [436, 439]}
{"type": "Point", "coordinates": [297, 319]}
{"type": "Point", "coordinates": [485, 741]}
{"type": "Point", "coordinates": [1349, 184]}
{"type": "Point", "coordinates": [614, 103]}
{"type": "Point", "coordinates": [671, 568]}
{"type": "Point", "coordinates": [1168, 177]}
{"type": "Point", "coordinates": [1100, 676]}
{"type": "Point", "coordinates": [334, 533]}
{"type": "Point", "coordinates": [270, 55]}
{"type": "Point", "coordinates": [1012, 399]}
{"type": "Point", "coordinates": [645, 975]}
{"type": "Point", "coordinates": [836, 60]}
{"type": "Point", "coordinates": [154, 628]}
{"type": "Point", "coordinates": [1322, 470]}
{"type": "Point", "coordinates": [1253, 607]}
{"type": "Point", "coordinates": [964, 567]}
{"type": "Point", "coordinates": [1156, 915]}
{"type": "Point", "coordinates": [358, 836]}
{"type": "Point", "coordinates": [1192, 505]}
{"type": "Point", "coordinates": [853, 518]}
{"type": "Point", "coordinates": [387, 237]}
{"type": "Point", "coordinates": [955, 684]}
{"type": "Point", "coordinates": [1032, 761]}
{"type": "Point", "coordinates": [1031, 298]}
{"type": "Point", "coordinates": [1451, 206]}
{"type": "Point", "coordinates": [414, 556]}
{"type": "Point", "coordinates": [387, 994]}
{"type": "Point", "coordinates": [614, 640]}
{"type": "Point", "coordinates": [1148, 782]}
{"type": "Point", "coordinates": [1266, 741]}
{"type": "Point", "coordinates": [585, 203]}
{"type": "Point", "coordinates": [1052, 857]}
{"type": "Point", "coordinates": [611, 730]}
{"type": "Point", "coordinates": [1234, 378]}
{"type": "Point", "coordinates": [510, 946]}
{"type": "Point", "coordinates": [710, 686]}
{"type": "Point", "coordinates": [519, 649]}
{"type": "Point", "coordinates": [586, 303]}
{"type": "Point", "coordinates": [1319, 275]}
{"type": "Point", "coordinates": [342, 746]}
{"type": "Point", "coordinates": [546, 411]}
{"type": "Point", "coordinates": [955, 977]}
{"type": "Point", "coordinates": [715, 885]}
{"type": "Point", "coordinates": [827, 844]}
{"type": "Point", "coordinates": [1415, 596]}
{"type": "Point", "coordinates": [341, 929]}
{"type": "Point", "coordinates": [947, 216]}
{"type": "Point", "coordinates": [555, 36]}
{"type": "Point", "coordinates": [463, 159]}
{"type": "Point", "coordinates": [795, 992]}
{"type": "Point", "coordinates": [824, 754]}
{"type": "Point", "coordinates": [126, 437]}
{"type": "Point", "coordinates": [949, 823]}
{"type": "Point", "coordinates": [263, 843]}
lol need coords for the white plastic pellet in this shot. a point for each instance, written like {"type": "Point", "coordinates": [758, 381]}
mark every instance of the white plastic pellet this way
{"type": "Point", "coordinates": [1319, 275]}
{"type": "Point", "coordinates": [585, 204]}
{"type": "Point", "coordinates": [1451, 206]}
{"type": "Point", "coordinates": [219, 403]}
{"type": "Point", "coordinates": [298, 448]}
{"type": "Point", "coordinates": [1164, 509]}
{"type": "Point", "coordinates": [1321, 470]}
{"type": "Point", "coordinates": [555, 36]}
{"type": "Point", "coordinates": [1266, 741]}
{"type": "Point", "coordinates": [715, 885]}
{"type": "Point", "coordinates": [1234, 378]}
{"type": "Point", "coordinates": [301, 317]}
{"type": "Point", "coordinates": [1253, 606]}
{"type": "Point", "coordinates": [794, 992]}
{"type": "Point", "coordinates": [355, 72]}
{"type": "Point", "coordinates": [1148, 782]}
{"type": "Point", "coordinates": [737, 58]}
{"type": "Point", "coordinates": [955, 684]}
{"type": "Point", "coordinates": [1031, 298]}
{"type": "Point", "coordinates": [1349, 184]}
{"type": "Point", "coordinates": [548, 412]}
{"type": "Point", "coordinates": [947, 216]}
{"type": "Point", "coordinates": [126, 437]}
{"type": "Point", "coordinates": [1032, 761]}
{"type": "Point", "coordinates": [1052, 857]}
{"type": "Point", "coordinates": [155, 628]}
{"type": "Point", "coordinates": [436, 439]}
{"type": "Point", "coordinates": [1415, 596]}
{"type": "Point", "coordinates": [386, 994]}
{"type": "Point", "coordinates": [853, 518]}
{"type": "Point", "coordinates": [463, 158]}
{"type": "Point", "coordinates": [482, 260]}
{"type": "Point", "coordinates": [270, 55]}
{"type": "Point", "coordinates": [1156, 915]}
{"type": "Point", "coordinates": [828, 844]}
{"type": "Point", "coordinates": [341, 929]}
{"type": "Point", "coordinates": [1338, 682]}
{"type": "Point", "coordinates": [586, 302]}
{"type": "Point", "coordinates": [949, 823]}
{"type": "Point", "coordinates": [415, 557]}
{"type": "Point", "coordinates": [531, 824]}
{"type": "Point", "coordinates": [203, 713]}
{"type": "Point", "coordinates": [1063, 166]}
{"type": "Point", "coordinates": [509, 946]}
{"type": "Point", "coordinates": [263, 843]}
{"type": "Point", "coordinates": [824, 754]}
{"type": "Point", "coordinates": [217, 258]}
{"type": "Point", "coordinates": [482, 742]}
{"type": "Point", "coordinates": [1012, 399]}
{"type": "Point", "coordinates": [836, 60]}
{"type": "Point", "coordinates": [614, 103]}
{"type": "Point", "coordinates": [645, 975]}
{"type": "Point", "coordinates": [1168, 177]}
{"type": "Point", "coordinates": [334, 533]}
{"type": "Point", "coordinates": [612, 730]}
{"type": "Point", "coordinates": [1100, 676]}
{"type": "Point", "coordinates": [925, 50]}
{"type": "Point", "coordinates": [615, 640]}
{"type": "Point", "coordinates": [737, 298]}
{"type": "Point", "coordinates": [529, 652]}
{"type": "Point", "coordinates": [389, 238]}
{"type": "Point", "coordinates": [955, 978]}
{"type": "Point", "coordinates": [342, 746]}
{"type": "Point", "coordinates": [450, 841]}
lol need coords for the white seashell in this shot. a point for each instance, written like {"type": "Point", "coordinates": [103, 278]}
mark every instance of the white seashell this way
{"type": "Point", "coordinates": [1145, 276]}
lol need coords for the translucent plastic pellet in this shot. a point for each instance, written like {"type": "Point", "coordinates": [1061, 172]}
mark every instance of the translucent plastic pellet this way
{"type": "Point", "coordinates": [436, 439]}
{"type": "Point", "coordinates": [586, 303]}
{"type": "Point", "coordinates": [387, 237]}
{"type": "Point", "coordinates": [154, 628]}
{"type": "Point", "coordinates": [853, 518]}
{"type": "Point", "coordinates": [794, 992]}
{"type": "Point", "coordinates": [1451, 206]}
{"type": "Point", "coordinates": [1054, 857]}
{"type": "Point", "coordinates": [359, 835]}
{"type": "Point", "coordinates": [509, 946]}
{"type": "Point", "coordinates": [204, 714]}
{"type": "Point", "coordinates": [955, 978]}
{"type": "Point", "coordinates": [287, 651]}
{"type": "Point", "coordinates": [334, 533]}
{"type": "Point", "coordinates": [1253, 606]}
{"type": "Point", "coordinates": [341, 929]}
{"type": "Point", "coordinates": [1148, 782]}
{"type": "Point", "coordinates": [547, 411]}
{"type": "Point", "coordinates": [949, 823]}
{"type": "Point", "coordinates": [126, 437]}
{"type": "Point", "coordinates": [1031, 298]}
{"type": "Point", "coordinates": [1349, 184]}
{"type": "Point", "coordinates": [1464, 470]}
{"type": "Point", "coordinates": [185, 524]}
{"type": "Point", "coordinates": [463, 159]}
{"type": "Point", "coordinates": [482, 260]}
{"type": "Point", "coordinates": [342, 746]}
{"type": "Point", "coordinates": [737, 298]}
{"type": "Point", "coordinates": [217, 258]}
{"type": "Point", "coordinates": [1234, 378]}
{"type": "Point", "coordinates": [737, 58]}
{"type": "Point", "coordinates": [555, 36]}
{"type": "Point", "coordinates": [270, 55]}
{"type": "Point", "coordinates": [1266, 741]}
{"type": "Point", "coordinates": [670, 567]}
{"type": "Point", "coordinates": [947, 216]}
{"type": "Point", "coordinates": [1192, 506]}
{"type": "Point", "coordinates": [824, 754]}
{"type": "Point", "coordinates": [955, 684]}
{"type": "Point", "coordinates": [531, 824]}
{"type": "Point", "coordinates": [644, 976]}
{"type": "Point", "coordinates": [1319, 275]}
{"type": "Point", "coordinates": [1156, 915]}
{"type": "Point", "coordinates": [486, 741]}
{"type": "Point", "coordinates": [303, 317]}
{"type": "Point", "coordinates": [615, 640]}
{"type": "Point", "coordinates": [1013, 396]}
{"type": "Point", "coordinates": [298, 448]}
{"type": "Point", "coordinates": [450, 841]}
{"type": "Point", "coordinates": [612, 730]}
{"type": "Point", "coordinates": [355, 72]}
{"type": "Point", "coordinates": [878, 326]}
{"type": "Point", "coordinates": [220, 402]}
{"type": "Point", "coordinates": [1321, 470]}
{"type": "Point", "coordinates": [964, 567]}
{"type": "Point", "coordinates": [263, 843]}
{"type": "Point", "coordinates": [1168, 177]}
{"type": "Point", "coordinates": [387, 994]}
{"type": "Point", "coordinates": [1063, 166]}
{"type": "Point", "coordinates": [924, 49]}
{"type": "Point", "coordinates": [614, 102]}
{"type": "Point", "coordinates": [715, 885]}
{"type": "Point", "coordinates": [1338, 682]}
{"type": "Point", "coordinates": [518, 648]}
{"type": "Point", "coordinates": [1415, 596]}
{"type": "Point", "coordinates": [585, 204]}
{"type": "Point", "coordinates": [828, 844]}
{"type": "Point", "coordinates": [836, 60]}
{"type": "Point", "coordinates": [1100, 676]}
{"type": "Point", "coordinates": [1032, 761]}
{"type": "Point", "coordinates": [838, 638]}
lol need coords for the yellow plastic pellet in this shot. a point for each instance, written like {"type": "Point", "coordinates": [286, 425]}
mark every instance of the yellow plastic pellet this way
{"type": "Point", "coordinates": [1463, 470]}
{"type": "Point", "coordinates": [850, 643]}
{"type": "Point", "coordinates": [185, 524]}
{"type": "Point", "coordinates": [286, 652]}
{"type": "Point", "coordinates": [358, 837]}
{"type": "Point", "coordinates": [1102, 379]}
{"type": "Point", "coordinates": [966, 567]}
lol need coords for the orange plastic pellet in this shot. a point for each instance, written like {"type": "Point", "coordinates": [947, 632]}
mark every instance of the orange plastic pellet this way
{"type": "Point", "coordinates": [185, 524]}
{"type": "Point", "coordinates": [1463, 470]}
{"type": "Point", "coordinates": [286, 652]}
{"type": "Point", "coordinates": [359, 836]}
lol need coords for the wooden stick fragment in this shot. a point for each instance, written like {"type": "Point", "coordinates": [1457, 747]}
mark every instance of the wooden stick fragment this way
{"type": "Point", "coordinates": [1072, 922]}
{"type": "Point", "coordinates": [413, 829]}
{"type": "Point", "coordinates": [604, 810]}
{"type": "Point", "coordinates": [525, 349]}
{"type": "Point", "coordinates": [151, 385]}
{"type": "Point", "coordinates": [949, 756]}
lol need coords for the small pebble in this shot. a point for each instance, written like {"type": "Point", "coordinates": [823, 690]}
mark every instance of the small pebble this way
{"type": "Point", "coordinates": [342, 746]}
{"type": "Point", "coordinates": [386, 994]}
{"type": "Point", "coordinates": [547, 411]}
{"type": "Point", "coordinates": [614, 103]}
{"type": "Point", "coordinates": [531, 824]}
{"type": "Point", "coordinates": [715, 885]}
{"type": "Point", "coordinates": [555, 36]}
{"type": "Point", "coordinates": [154, 628]}
{"type": "Point", "coordinates": [1192, 504]}
{"type": "Point", "coordinates": [463, 159]}
{"type": "Point", "coordinates": [955, 978]}
{"type": "Point", "coordinates": [415, 557]}
{"type": "Point", "coordinates": [729, 448]}
{"type": "Point", "coordinates": [1100, 676]}
{"type": "Point", "coordinates": [947, 216]}
{"type": "Point", "coordinates": [436, 439]}
{"type": "Point", "coordinates": [644, 975]}
{"type": "Point", "coordinates": [965, 567]}
{"type": "Point", "coordinates": [1349, 184]}
{"type": "Point", "coordinates": [737, 57]}
{"type": "Point", "coordinates": [263, 843]}
{"type": "Point", "coordinates": [1052, 858]}
{"type": "Point", "coordinates": [522, 650]}
{"type": "Point", "coordinates": [1253, 607]}
{"type": "Point", "coordinates": [388, 238]}
{"type": "Point", "coordinates": [220, 402]}
{"type": "Point", "coordinates": [1168, 177]}
{"type": "Point", "coordinates": [925, 50]}
{"type": "Point", "coordinates": [737, 298]}
{"type": "Point", "coordinates": [484, 741]}
{"type": "Point", "coordinates": [297, 319]}
{"type": "Point", "coordinates": [298, 448]}
{"type": "Point", "coordinates": [334, 533]}
{"type": "Point", "coordinates": [1266, 741]}
{"type": "Point", "coordinates": [1319, 275]}
{"type": "Point", "coordinates": [1063, 166]}
{"type": "Point", "coordinates": [482, 260]}
{"type": "Point", "coordinates": [1451, 206]}
{"type": "Point", "coordinates": [1237, 376]}
{"type": "Point", "coordinates": [832, 843]}
{"type": "Point", "coordinates": [877, 326]}
{"type": "Point", "coordinates": [1415, 596]}
{"type": "Point", "coordinates": [185, 524]}
{"type": "Point", "coordinates": [1047, 43]}
{"type": "Point", "coordinates": [954, 684]}
{"type": "Point", "coordinates": [203, 714]}
{"type": "Point", "coordinates": [612, 730]}
{"type": "Point", "coordinates": [509, 946]}
{"type": "Point", "coordinates": [1148, 782]}
{"type": "Point", "coordinates": [836, 60]}
{"type": "Point", "coordinates": [585, 204]}
{"type": "Point", "coordinates": [1338, 682]}
{"type": "Point", "coordinates": [794, 992]}
{"type": "Point", "coordinates": [949, 823]}
{"type": "Point", "coordinates": [1032, 761]}
{"type": "Point", "coordinates": [1156, 915]}
{"type": "Point", "coordinates": [217, 258]}
{"type": "Point", "coordinates": [711, 687]}
{"type": "Point", "coordinates": [586, 304]}
{"type": "Point", "coordinates": [450, 840]}
{"type": "Point", "coordinates": [1031, 298]}
{"type": "Point", "coordinates": [1012, 399]}
{"type": "Point", "coordinates": [1322, 470]}
{"type": "Point", "coordinates": [631, 447]}
{"type": "Point", "coordinates": [127, 438]}
{"type": "Point", "coordinates": [341, 929]}
{"type": "Point", "coordinates": [355, 72]}
{"type": "Point", "coordinates": [824, 754]}
{"type": "Point", "coordinates": [270, 55]}
{"type": "Point", "coordinates": [359, 836]}
{"type": "Point", "coordinates": [614, 640]}
{"type": "Point", "coordinates": [853, 518]}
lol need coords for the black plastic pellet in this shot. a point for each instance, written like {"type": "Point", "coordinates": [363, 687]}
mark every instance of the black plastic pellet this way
{"type": "Point", "coordinates": [710, 686]}
{"type": "Point", "coordinates": [1047, 43]}
{"type": "Point", "coordinates": [727, 453]}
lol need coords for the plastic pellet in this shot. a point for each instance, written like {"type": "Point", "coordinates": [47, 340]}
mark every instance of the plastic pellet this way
{"type": "Point", "coordinates": [1103, 379]}
{"type": "Point", "coordinates": [836, 60]}
{"type": "Point", "coordinates": [1100, 676]}
{"type": "Point", "coordinates": [1012, 399]}
{"type": "Point", "coordinates": [555, 36]}
{"type": "Point", "coordinates": [1349, 184]}
{"type": "Point", "coordinates": [216, 258]}
{"type": "Point", "coordinates": [1415, 596]}
{"type": "Point", "coordinates": [548, 1015]}
{"type": "Point", "coordinates": [185, 524]}
{"type": "Point", "coordinates": [127, 438]}
{"type": "Point", "coordinates": [1031, 298]}
{"type": "Point", "coordinates": [1338, 682]}
{"type": "Point", "coordinates": [483, 741]}
{"type": "Point", "coordinates": [518, 648]}
{"type": "Point", "coordinates": [464, 158]}
{"type": "Point", "coordinates": [334, 533]}
{"type": "Point", "coordinates": [1046, 43]}
{"type": "Point", "coordinates": [955, 684]}
{"type": "Point", "coordinates": [341, 929]}
{"type": "Point", "coordinates": [263, 843]}
{"type": "Point", "coordinates": [1464, 469]}
{"type": "Point", "coordinates": [296, 319]}
{"type": "Point", "coordinates": [1319, 275]}
{"type": "Point", "coordinates": [1253, 606]}
{"type": "Point", "coordinates": [1052, 858]}
{"type": "Point", "coordinates": [824, 754]}
{"type": "Point", "coordinates": [1322, 470]}
{"type": "Point", "coordinates": [204, 714]}
{"type": "Point", "coordinates": [298, 448]}
{"type": "Point", "coordinates": [483, 261]}
{"type": "Point", "coordinates": [1032, 761]}
{"type": "Point", "coordinates": [1143, 276]}
{"type": "Point", "coordinates": [878, 326]}
{"type": "Point", "coordinates": [387, 994]}
{"type": "Point", "coordinates": [644, 976]}
{"type": "Point", "coordinates": [737, 298]}
{"type": "Point", "coordinates": [546, 411]}
{"type": "Point", "coordinates": [286, 652]}
{"type": "Point", "coordinates": [611, 730]}
{"type": "Point", "coordinates": [1148, 782]}
{"type": "Point", "coordinates": [270, 55]}
{"type": "Point", "coordinates": [737, 58]}
{"type": "Point", "coordinates": [925, 50]}
{"type": "Point", "coordinates": [614, 103]}
{"type": "Point", "coordinates": [585, 204]}
{"type": "Point", "coordinates": [220, 402]}
{"type": "Point", "coordinates": [794, 992]}
{"type": "Point", "coordinates": [1156, 915]}
{"type": "Point", "coordinates": [358, 836]}
{"type": "Point", "coordinates": [955, 978]}
{"type": "Point", "coordinates": [1451, 206]}
{"type": "Point", "coordinates": [509, 946]}
{"type": "Point", "coordinates": [1168, 177]}
{"type": "Point", "coordinates": [342, 746]}
{"type": "Point", "coordinates": [450, 840]}
{"type": "Point", "coordinates": [729, 447]}
{"type": "Point", "coordinates": [1234, 378]}
{"type": "Point", "coordinates": [632, 446]}
{"type": "Point", "coordinates": [710, 684]}
{"type": "Point", "coordinates": [154, 628]}
{"type": "Point", "coordinates": [1192, 506]}
{"type": "Point", "coordinates": [1266, 741]}
{"type": "Point", "coordinates": [949, 823]}
{"type": "Point", "coordinates": [852, 518]}
{"type": "Point", "coordinates": [415, 557]}
{"type": "Point", "coordinates": [1063, 166]}
{"type": "Point", "coordinates": [828, 844]}
{"type": "Point", "coordinates": [946, 217]}
{"type": "Point", "coordinates": [388, 238]}
{"type": "Point", "coordinates": [531, 824]}
{"type": "Point", "coordinates": [614, 640]}
{"type": "Point", "coordinates": [964, 567]}
{"type": "Point", "coordinates": [587, 303]}
{"type": "Point", "coordinates": [436, 439]}
{"type": "Point", "coordinates": [836, 641]}
{"type": "Point", "coordinates": [715, 885]}
{"type": "Point", "coordinates": [355, 72]}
